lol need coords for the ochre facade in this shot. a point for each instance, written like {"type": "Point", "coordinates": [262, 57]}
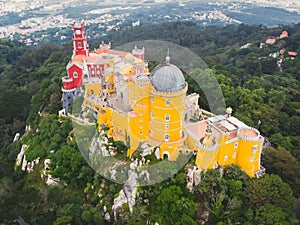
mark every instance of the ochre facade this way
{"type": "Point", "coordinates": [142, 107]}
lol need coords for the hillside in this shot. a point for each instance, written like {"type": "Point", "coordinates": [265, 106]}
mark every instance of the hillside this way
{"type": "Point", "coordinates": [253, 85]}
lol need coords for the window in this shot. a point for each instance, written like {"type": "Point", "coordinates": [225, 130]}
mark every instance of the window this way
{"type": "Point", "coordinates": [234, 155]}
{"type": "Point", "coordinates": [181, 133]}
{"type": "Point", "coordinates": [225, 158]}
{"type": "Point", "coordinates": [167, 137]}
{"type": "Point", "coordinates": [151, 114]}
{"type": "Point", "coordinates": [236, 144]}
{"type": "Point", "coordinates": [141, 113]}
{"type": "Point", "coordinates": [75, 74]}
{"type": "Point", "coordinates": [167, 117]}
{"type": "Point", "coordinates": [141, 133]}
{"type": "Point", "coordinates": [141, 120]}
{"type": "Point", "coordinates": [168, 102]}
{"type": "Point", "coordinates": [182, 98]}
{"type": "Point", "coordinates": [252, 159]}
{"type": "Point", "coordinates": [141, 104]}
{"type": "Point", "coordinates": [180, 151]}
{"type": "Point", "coordinates": [167, 126]}
{"type": "Point", "coordinates": [152, 99]}
{"type": "Point", "coordinates": [78, 32]}
{"type": "Point", "coordinates": [181, 115]}
{"type": "Point", "coordinates": [141, 127]}
{"type": "Point", "coordinates": [79, 45]}
{"type": "Point", "coordinates": [151, 133]}
{"type": "Point", "coordinates": [254, 149]}
{"type": "Point", "coordinates": [141, 86]}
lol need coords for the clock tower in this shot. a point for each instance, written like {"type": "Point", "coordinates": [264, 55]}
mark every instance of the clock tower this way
{"type": "Point", "coordinates": [80, 45]}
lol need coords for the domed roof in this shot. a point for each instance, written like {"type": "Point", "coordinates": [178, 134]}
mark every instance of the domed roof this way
{"type": "Point", "coordinates": [167, 78]}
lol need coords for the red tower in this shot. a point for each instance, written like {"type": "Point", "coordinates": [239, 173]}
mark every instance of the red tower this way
{"type": "Point", "coordinates": [80, 45]}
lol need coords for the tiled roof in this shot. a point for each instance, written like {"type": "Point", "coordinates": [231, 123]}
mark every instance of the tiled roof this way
{"type": "Point", "coordinates": [293, 53]}
{"type": "Point", "coordinates": [78, 58]}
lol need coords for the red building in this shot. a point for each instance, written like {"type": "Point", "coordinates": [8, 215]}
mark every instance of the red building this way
{"type": "Point", "coordinates": [85, 65]}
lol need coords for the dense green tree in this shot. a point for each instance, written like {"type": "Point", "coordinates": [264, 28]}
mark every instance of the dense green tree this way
{"type": "Point", "coordinates": [283, 163]}
{"type": "Point", "coordinates": [268, 214]}
{"type": "Point", "coordinates": [271, 189]}
{"type": "Point", "coordinates": [172, 206]}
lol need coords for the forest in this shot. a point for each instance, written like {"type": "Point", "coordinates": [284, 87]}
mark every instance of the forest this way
{"type": "Point", "coordinates": [253, 84]}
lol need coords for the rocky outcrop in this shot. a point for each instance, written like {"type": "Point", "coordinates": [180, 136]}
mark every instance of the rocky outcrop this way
{"type": "Point", "coordinates": [46, 176]}
{"type": "Point", "coordinates": [193, 177]}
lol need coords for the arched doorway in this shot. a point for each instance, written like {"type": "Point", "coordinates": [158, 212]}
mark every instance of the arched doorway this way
{"type": "Point", "coordinates": [166, 156]}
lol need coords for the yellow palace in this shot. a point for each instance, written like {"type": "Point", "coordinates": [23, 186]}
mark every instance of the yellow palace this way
{"type": "Point", "coordinates": [142, 107]}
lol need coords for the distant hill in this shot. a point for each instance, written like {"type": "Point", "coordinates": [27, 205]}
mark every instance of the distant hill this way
{"type": "Point", "coordinates": [33, 26]}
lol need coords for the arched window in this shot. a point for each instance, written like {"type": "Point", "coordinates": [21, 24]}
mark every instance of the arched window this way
{"type": "Point", "coordinates": [75, 74]}
{"type": "Point", "coordinates": [254, 149]}
{"type": "Point", "coordinates": [181, 133]}
{"type": "Point", "coordinates": [167, 137]}
{"type": "Point", "coordinates": [151, 114]}
{"type": "Point", "coordinates": [79, 45]}
{"type": "Point", "coordinates": [167, 117]}
{"type": "Point", "coordinates": [152, 99]}
{"type": "Point", "coordinates": [168, 102]}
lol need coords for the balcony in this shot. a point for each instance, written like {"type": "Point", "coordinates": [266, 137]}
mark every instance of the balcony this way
{"type": "Point", "coordinates": [66, 79]}
{"type": "Point", "coordinates": [260, 172]}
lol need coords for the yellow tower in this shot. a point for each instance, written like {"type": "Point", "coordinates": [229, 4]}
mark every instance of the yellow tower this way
{"type": "Point", "coordinates": [138, 95]}
{"type": "Point", "coordinates": [167, 104]}
{"type": "Point", "coordinates": [207, 150]}
{"type": "Point", "coordinates": [250, 146]}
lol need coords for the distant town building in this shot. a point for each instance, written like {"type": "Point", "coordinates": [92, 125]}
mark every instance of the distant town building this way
{"type": "Point", "coordinates": [142, 107]}
{"type": "Point", "coordinates": [292, 54]}
{"type": "Point", "coordinates": [135, 24]}
{"type": "Point", "coordinates": [284, 34]}
{"type": "Point", "coordinates": [271, 40]}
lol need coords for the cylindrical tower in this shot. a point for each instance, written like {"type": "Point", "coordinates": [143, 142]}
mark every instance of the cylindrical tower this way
{"type": "Point", "coordinates": [207, 150]}
{"type": "Point", "coordinates": [167, 105]}
{"type": "Point", "coordinates": [250, 146]}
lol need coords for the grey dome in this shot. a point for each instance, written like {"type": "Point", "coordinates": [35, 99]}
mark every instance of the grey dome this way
{"type": "Point", "coordinates": [167, 78]}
